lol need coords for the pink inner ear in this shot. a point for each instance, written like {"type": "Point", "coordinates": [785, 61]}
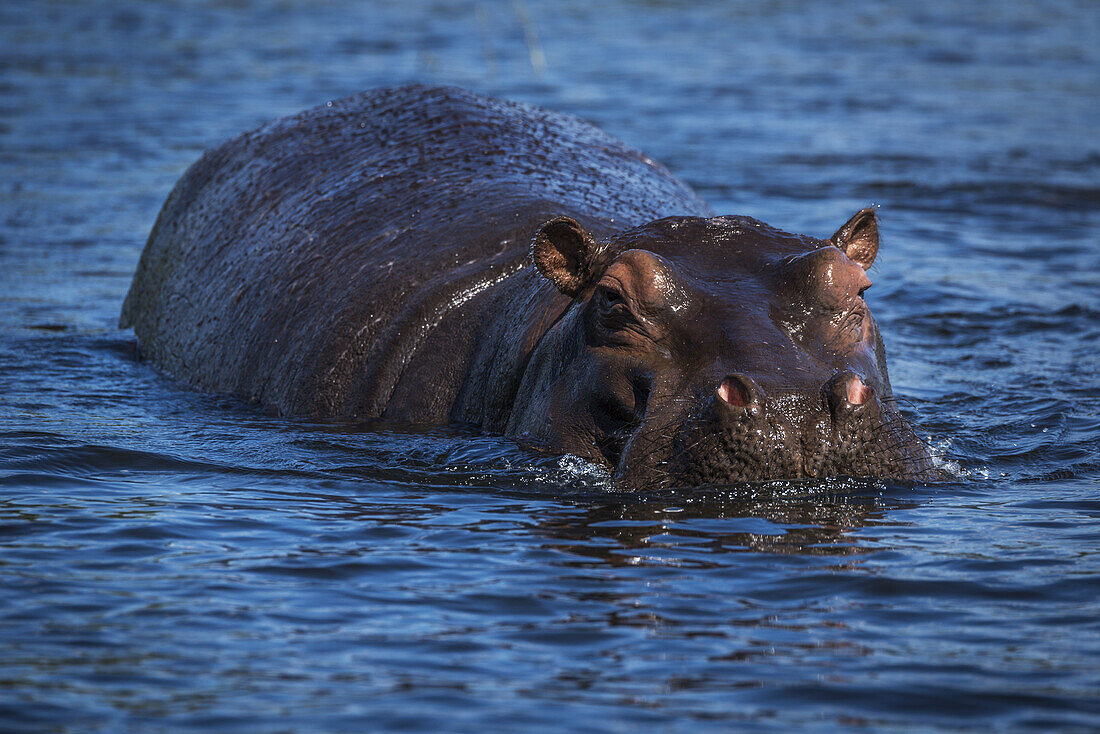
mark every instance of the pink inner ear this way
{"type": "Point", "coordinates": [733, 392]}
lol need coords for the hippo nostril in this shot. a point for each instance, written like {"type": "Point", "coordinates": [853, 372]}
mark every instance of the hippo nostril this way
{"type": "Point", "coordinates": [733, 391]}
{"type": "Point", "coordinates": [739, 391]}
{"type": "Point", "coordinates": [846, 391]}
{"type": "Point", "coordinates": [857, 391]}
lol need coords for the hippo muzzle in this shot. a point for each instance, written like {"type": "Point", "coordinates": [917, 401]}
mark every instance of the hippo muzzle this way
{"type": "Point", "coordinates": [740, 434]}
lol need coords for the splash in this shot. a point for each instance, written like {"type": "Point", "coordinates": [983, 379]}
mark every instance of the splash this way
{"type": "Point", "coordinates": [940, 450]}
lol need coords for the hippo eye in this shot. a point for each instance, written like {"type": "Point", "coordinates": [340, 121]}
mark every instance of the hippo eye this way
{"type": "Point", "coordinates": [610, 297]}
{"type": "Point", "coordinates": [614, 310]}
{"type": "Point", "coordinates": [614, 313]}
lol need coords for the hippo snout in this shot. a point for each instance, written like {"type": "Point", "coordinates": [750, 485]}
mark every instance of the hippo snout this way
{"type": "Point", "coordinates": [742, 433]}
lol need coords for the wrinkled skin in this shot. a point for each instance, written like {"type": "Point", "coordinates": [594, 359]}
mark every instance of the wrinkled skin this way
{"type": "Point", "coordinates": [431, 256]}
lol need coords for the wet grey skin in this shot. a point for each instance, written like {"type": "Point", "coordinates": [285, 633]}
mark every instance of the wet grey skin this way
{"type": "Point", "coordinates": [432, 256]}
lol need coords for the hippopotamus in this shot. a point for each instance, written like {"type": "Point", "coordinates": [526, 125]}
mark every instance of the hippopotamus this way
{"type": "Point", "coordinates": [431, 256]}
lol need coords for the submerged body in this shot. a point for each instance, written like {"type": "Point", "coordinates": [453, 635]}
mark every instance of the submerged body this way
{"type": "Point", "coordinates": [434, 256]}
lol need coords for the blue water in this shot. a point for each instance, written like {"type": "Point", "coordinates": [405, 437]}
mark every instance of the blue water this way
{"type": "Point", "coordinates": [173, 561]}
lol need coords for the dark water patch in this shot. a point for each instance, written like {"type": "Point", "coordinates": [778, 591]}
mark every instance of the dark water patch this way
{"type": "Point", "coordinates": [176, 561]}
{"type": "Point", "coordinates": [100, 461]}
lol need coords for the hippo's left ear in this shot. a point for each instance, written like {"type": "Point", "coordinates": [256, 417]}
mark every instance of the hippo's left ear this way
{"type": "Point", "coordinates": [566, 254]}
{"type": "Point", "coordinates": [858, 238]}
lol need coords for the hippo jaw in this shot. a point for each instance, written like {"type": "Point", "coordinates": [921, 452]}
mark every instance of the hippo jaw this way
{"type": "Point", "coordinates": [709, 351]}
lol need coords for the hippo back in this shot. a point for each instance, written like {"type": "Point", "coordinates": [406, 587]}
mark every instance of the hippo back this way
{"type": "Point", "coordinates": [295, 259]}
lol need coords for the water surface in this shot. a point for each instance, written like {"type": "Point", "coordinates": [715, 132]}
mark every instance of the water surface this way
{"type": "Point", "coordinates": [174, 561]}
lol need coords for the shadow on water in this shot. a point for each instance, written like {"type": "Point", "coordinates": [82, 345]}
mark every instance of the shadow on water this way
{"type": "Point", "coordinates": [812, 519]}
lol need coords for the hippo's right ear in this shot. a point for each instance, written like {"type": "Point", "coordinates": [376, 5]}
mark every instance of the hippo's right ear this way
{"type": "Point", "coordinates": [566, 254]}
{"type": "Point", "coordinates": [858, 238]}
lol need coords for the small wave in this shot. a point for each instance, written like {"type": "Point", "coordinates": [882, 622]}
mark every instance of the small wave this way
{"type": "Point", "coordinates": [939, 450]}
{"type": "Point", "coordinates": [577, 473]}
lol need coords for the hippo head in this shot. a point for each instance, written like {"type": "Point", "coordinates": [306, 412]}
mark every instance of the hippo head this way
{"type": "Point", "coordinates": [708, 351]}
